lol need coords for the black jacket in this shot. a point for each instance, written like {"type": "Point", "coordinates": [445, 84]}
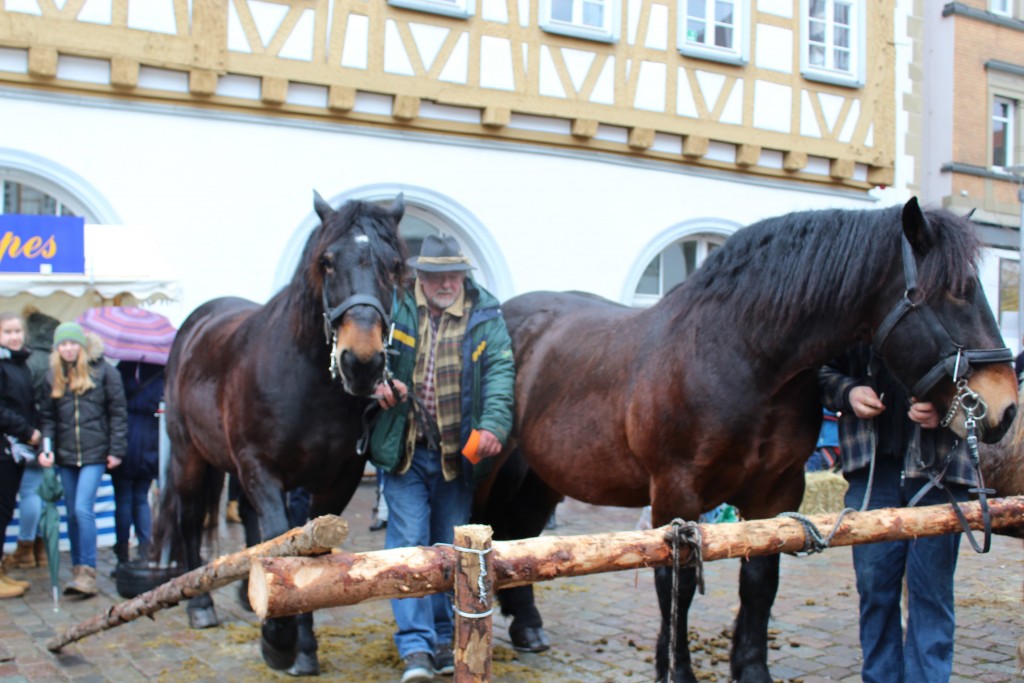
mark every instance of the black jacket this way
{"type": "Point", "coordinates": [17, 405]}
{"type": "Point", "coordinates": [144, 389]}
{"type": "Point", "coordinates": [86, 428]}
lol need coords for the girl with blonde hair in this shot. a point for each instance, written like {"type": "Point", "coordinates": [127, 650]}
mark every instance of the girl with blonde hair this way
{"type": "Point", "coordinates": [85, 416]}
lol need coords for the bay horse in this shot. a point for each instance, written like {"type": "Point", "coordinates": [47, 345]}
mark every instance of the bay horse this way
{"type": "Point", "coordinates": [251, 390]}
{"type": "Point", "coordinates": [711, 395]}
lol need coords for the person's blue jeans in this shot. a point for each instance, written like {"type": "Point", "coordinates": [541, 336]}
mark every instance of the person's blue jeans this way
{"type": "Point", "coordinates": [928, 564]}
{"type": "Point", "coordinates": [423, 509]}
{"type": "Point", "coordinates": [30, 505]}
{"type": "Point", "coordinates": [80, 486]}
{"type": "Point", "coordinates": [131, 508]}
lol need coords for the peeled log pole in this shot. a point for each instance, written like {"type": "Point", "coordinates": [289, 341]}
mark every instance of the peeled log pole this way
{"type": "Point", "coordinates": [474, 602]}
{"type": "Point", "coordinates": [290, 585]}
{"type": "Point", "coordinates": [316, 537]}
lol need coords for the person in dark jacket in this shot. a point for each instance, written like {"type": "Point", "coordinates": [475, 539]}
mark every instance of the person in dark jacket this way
{"type": "Point", "coordinates": [454, 357]}
{"type": "Point", "coordinates": [143, 389]}
{"type": "Point", "coordinates": [85, 416]}
{"type": "Point", "coordinates": [892, 447]}
{"type": "Point", "coordinates": [18, 426]}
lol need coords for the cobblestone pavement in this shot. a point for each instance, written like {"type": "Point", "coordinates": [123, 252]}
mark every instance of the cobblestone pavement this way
{"type": "Point", "coordinates": [603, 627]}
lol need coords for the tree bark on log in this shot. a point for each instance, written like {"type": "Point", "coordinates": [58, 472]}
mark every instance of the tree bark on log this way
{"type": "Point", "coordinates": [316, 537]}
{"type": "Point", "coordinates": [285, 586]}
{"type": "Point", "coordinates": [474, 602]}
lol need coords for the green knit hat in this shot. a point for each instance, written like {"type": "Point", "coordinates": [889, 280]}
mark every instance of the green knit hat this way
{"type": "Point", "coordinates": [69, 332]}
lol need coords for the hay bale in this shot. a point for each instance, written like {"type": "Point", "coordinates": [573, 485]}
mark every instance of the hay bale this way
{"type": "Point", "coordinates": [823, 492]}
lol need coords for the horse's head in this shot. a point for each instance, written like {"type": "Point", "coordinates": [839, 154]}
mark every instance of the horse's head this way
{"type": "Point", "coordinates": [940, 338]}
{"type": "Point", "coordinates": [356, 262]}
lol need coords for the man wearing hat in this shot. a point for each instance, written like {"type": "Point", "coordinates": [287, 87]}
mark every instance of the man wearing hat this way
{"type": "Point", "coordinates": [454, 356]}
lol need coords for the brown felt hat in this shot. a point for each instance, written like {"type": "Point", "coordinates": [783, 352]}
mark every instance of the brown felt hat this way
{"type": "Point", "coordinates": [440, 254]}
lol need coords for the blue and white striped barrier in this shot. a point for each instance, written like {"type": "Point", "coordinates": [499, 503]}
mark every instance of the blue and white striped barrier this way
{"type": "Point", "coordinates": [105, 535]}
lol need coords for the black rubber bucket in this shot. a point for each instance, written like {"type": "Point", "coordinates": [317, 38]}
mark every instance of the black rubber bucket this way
{"type": "Point", "coordinates": [138, 576]}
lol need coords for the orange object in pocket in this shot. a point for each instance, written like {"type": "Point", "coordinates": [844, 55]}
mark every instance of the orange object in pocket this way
{"type": "Point", "coordinates": [471, 447]}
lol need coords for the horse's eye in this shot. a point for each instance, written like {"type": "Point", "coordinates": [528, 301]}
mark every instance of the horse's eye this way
{"type": "Point", "coordinates": [327, 263]}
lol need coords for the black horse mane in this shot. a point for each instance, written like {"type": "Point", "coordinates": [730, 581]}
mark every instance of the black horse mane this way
{"type": "Point", "coordinates": [303, 297]}
{"type": "Point", "coordinates": [779, 269]}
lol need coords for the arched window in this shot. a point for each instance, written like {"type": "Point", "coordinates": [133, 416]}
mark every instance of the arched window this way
{"type": "Point", "coordinates": [672, 265]}
{"type": "Point", "coordinates": [23, 198]}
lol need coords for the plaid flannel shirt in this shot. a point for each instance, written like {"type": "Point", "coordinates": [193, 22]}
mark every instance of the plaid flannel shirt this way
{"type": "Point", "coordinates": [927, 452]}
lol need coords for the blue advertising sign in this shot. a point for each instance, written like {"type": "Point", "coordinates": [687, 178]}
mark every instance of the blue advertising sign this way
{"type": "Point", "coordinates": [42, 244]}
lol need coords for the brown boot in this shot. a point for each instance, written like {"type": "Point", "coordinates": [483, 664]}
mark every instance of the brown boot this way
{"type": "Point", "coordinates": [23, 557]}
{"type": "Point", "coordinates": [231, 513]}
{"type": "Point", "coordinates": [7, 580]}
{"type": "Point", "coordinates": [83, 581]}
{"type": "Point", "coordinates": [9, 590]}
{"type": "Point", "coordinates": [39, 550]}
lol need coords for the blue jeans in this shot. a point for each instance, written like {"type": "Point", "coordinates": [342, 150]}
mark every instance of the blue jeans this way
{"type": "Point", "coordinates": [30, 505]}
{"type": "Point", "coordinates": [423, 509]}
{"type": "Point", "coordinates": [80, 486]}
{"type": "Point", "coordinates": [131, 508]}
{"type": "Point", "coordinates": [928, 564]}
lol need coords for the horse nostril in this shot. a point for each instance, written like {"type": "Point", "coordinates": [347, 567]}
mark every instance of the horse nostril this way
{"type": "Point", "coordinates": [1008, 415]}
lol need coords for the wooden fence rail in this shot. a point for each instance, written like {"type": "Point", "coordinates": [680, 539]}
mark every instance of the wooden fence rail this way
{"type": "Point", "coordinates": [282, 586]}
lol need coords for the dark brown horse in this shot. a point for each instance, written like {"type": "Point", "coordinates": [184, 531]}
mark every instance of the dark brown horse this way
{"type": "Point", "coordinates": [251, 390]}
{"type": "Point", "coordinates": [711, 396]}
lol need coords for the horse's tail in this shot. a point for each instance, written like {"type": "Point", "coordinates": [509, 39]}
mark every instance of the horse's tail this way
{"type": "Point", "coordinates": [176, 513]}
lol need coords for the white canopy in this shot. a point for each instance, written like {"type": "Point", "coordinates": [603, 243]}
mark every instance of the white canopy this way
{"type": "Point", "coordinates": [124, 265]}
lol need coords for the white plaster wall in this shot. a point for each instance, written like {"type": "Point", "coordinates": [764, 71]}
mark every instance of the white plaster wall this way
{"type": "Point", "coordinates": [229, 195]}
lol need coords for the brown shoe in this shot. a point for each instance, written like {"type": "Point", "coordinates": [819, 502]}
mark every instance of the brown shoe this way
{"type": "Point", "coordinates": [23, 557]}
{"type": "Point", "coordinates": [9, 590]}
{"type": "Point", "coordinates": [8, 580]}
{"type": "Point", "coordinates": [39, 550]}
{"type": "Point", "coordinates": [231, 513]}
{"type": "Point", "coordinates": [83, 581]}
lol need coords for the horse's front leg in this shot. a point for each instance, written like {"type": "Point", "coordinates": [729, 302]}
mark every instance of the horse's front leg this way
{"type": "Point", "coordinates": [687, 587]}
{"type": "Point", "coordinates": [759, 583]}
{"type": "Point", "coordinates": [288, 643]}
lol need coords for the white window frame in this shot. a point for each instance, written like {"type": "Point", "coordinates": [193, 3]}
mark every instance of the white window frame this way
{"type": "Point", "coordinates": [1003, 8]}
{"type": "Point", "coordinates": [462, 9]}
{"type": "Point", "coordinates": [739, 53]}
{"type": "Point", "coordinates": [853, 78]}
{"type": "Point", "coordinates": [1011, 130]}
{"type": "Point", "coordinates": [607, 33]}
{"type": "Point", "coordinates": [705, 242]}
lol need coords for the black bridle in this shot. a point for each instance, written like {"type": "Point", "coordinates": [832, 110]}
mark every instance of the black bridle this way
{"type": "Point", "coordinates": [954, 360]}
{"type": "Point", "coordinates": [333, 316]}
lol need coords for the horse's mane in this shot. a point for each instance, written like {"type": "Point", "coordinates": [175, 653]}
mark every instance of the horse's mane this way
{"type": "Point", "coordinates": [302, 298]}
{"type": "Point", "coordinates": [782, 269]}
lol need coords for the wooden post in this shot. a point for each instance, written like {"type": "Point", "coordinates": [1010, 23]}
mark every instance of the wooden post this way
{"type": "Point", "coordinates": [474, 602]}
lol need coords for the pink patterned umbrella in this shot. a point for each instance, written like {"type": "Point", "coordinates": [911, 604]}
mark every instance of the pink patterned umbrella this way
{"type": "Point", "coordinates": [130, 333]}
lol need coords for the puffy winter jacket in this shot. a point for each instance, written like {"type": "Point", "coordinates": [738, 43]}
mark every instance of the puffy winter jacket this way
{"type": "Point", "coordinates": [17, 407]}
{"type": "Point", "coordinates": [86, 428]}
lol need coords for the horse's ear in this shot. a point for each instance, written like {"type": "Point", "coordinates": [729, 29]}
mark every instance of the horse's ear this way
{"type": "Point", "coordinates": [398, 207]}
{"type": "Point", "coordinates": [323, 209]}
{"type": "Point", "coordinates": [915, 226]}
{"type": "Point", "coordinates": [970, 213]}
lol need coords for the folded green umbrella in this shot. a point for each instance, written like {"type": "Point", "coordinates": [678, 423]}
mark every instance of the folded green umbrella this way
{"type": "Point", "coordinates": [51, 491]}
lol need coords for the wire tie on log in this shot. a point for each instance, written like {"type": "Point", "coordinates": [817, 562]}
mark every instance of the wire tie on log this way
{"type": "Point", "coordinates": [481, 589]}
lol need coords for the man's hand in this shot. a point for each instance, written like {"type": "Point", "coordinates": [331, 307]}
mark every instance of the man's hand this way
{"type": "Point", "coordinates": [36, 438]}
{"type": "Point", "coordinates": [865, 402]}
{"type": "Point", "coordinates": [46, 459]}
{"type": "Point", "coordinates": [923, 413]}
{"type": "Point", "coordinates": [113, 461]}
{"type": "Point", "coordinates": [386, 398]}
{"type": "Point", "coordinates": [489, 445]}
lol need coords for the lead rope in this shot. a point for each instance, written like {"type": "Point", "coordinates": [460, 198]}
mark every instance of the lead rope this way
{"type": "Point", "coordinates": [689, 533]}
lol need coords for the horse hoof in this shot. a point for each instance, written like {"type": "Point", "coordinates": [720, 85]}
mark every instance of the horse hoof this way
{"type": "Point", "coordinates": [753, 673]}
{"type": "Point", "coordinates": [529, 639]}
{"type": "Point", "coordinates": [276, 659]}
{"type": "Point", "coordinates": [203, 617]}
{"type": "Point", "coordinates": [306, 664]}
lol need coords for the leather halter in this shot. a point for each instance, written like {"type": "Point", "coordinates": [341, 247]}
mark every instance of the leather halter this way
{"type": "Point", "coordinates": [955, 361]}
{"type": "Point", "coordinates": [332, 316]}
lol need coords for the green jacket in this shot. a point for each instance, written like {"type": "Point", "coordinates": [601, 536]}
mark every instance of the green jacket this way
{"type": "Point", "coordinates": [487, 385]}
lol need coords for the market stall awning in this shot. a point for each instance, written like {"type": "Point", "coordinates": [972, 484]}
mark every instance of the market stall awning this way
{"type": "Point", "coordinates": [124, 265]}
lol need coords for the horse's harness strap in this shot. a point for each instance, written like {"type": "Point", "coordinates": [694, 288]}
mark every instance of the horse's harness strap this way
{"type": "Point", "coordinates": [333, 315]}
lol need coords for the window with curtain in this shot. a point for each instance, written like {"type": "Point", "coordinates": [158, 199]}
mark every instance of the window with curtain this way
{"type": "Point", "coordinates": [832, 41]}
{"type": "Point", "coordinates": [24, 199]}
{"type": "Point", "coordinates": [672, 266]}
{"type": "Point", "coordinates": [1003, 118]}
{"type": "Point", "coordinates": [713, 29]}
